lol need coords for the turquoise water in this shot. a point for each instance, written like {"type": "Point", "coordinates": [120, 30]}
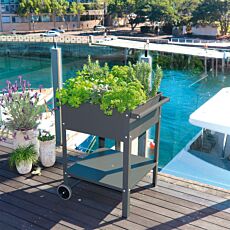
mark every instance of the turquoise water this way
{"type": "Point", "coordinates": [175, 131]}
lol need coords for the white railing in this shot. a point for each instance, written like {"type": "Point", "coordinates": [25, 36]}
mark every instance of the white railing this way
{"type": "Point", "coordinates": [62, 39]}
{"type": "Point", "coordinates": [190, 40]}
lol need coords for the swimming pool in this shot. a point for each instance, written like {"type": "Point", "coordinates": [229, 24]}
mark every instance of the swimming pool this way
{"type": "Point", "coordinates": [175, 131]}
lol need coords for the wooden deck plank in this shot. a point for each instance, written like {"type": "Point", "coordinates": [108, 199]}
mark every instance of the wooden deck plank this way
{"type": "Point", "coordinates": [16, 222]}
{"type": "Point", "coordinates": [211, 225]}
{"type": "Point", "coordinates": [184, 210]}
{"type": "Point", "coordinates": [169, 206]}
{"type": "Point", "coordinates": [88, 211]}
{"type": "Point", "coordinates": [6, 226]}
{"type": "Point", "coordinates": [185, 203]}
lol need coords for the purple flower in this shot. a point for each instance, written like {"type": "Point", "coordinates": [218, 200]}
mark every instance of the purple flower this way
{"type": "Point", "coordinates": [26, 138]}
{"type": "Point", "coordinates": [20, 78]}
{"type": "Point", "coordinates": [40, 88]}
{"type": "Point", "coordinates": [28, 85]}
{"type": "Point", "coordinates": [8, 84]}
{"type": "Point", "coordinates": [14, 135]}
{"type": "Point", "coordinates": [36, 95]}
{"type": "Point", "coordinates": [3, 91]}
{"type": "Point", "coordinates": [24, 83]}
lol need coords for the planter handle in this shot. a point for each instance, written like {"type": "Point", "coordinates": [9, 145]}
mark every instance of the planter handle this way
{"type": "Point", "coordinates": [162, 101]}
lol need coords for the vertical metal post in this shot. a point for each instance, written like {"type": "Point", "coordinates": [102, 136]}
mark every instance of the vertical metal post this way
{"type": "Point", "coordinates": [56, 60]}
{"type": "Point", "coordinates": [216, 66]}
{"type": "Point", "coordinates": [205, 65]}
{"type": "Point", "coordinates": [64, 152]}
{"type": "Point", "coordinates": [118, 146]}
{"type": "Point", "coordinates": [142, 140]}
{"type": "Point", "coordinates": [223, 64]}
{"type": "Point", "coordinates": [157, 147]}
{"type": "Point", "coordinates": [126, 55]}
{"type": "Point", "coordinates": [213, 66]}
{"type": "Point", "coordinates": [101, 142]}
{"type": "Point", "coordinates": [1, 24]}
{"type": "Point", "coordinates": [126, 174]}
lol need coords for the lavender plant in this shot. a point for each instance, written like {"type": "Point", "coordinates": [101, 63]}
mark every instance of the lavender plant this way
{"type": "Point", "coordinates": [20, 105]}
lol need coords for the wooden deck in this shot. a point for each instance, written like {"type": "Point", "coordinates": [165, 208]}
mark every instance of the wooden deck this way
{"type": "Point", "coordinates": [28, 202]}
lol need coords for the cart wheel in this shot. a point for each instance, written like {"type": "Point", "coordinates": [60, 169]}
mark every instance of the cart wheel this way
{"type": "Point", "coordinates": [64, 192]}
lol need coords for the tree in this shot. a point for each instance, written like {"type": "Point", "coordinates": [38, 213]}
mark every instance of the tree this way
{"type": "Point", "coordinates": [57, 8]}
{"type": "Point", "coordinates": [77, 8]}
{"type": "Point", "coordinates": [135, 10]}
{"type": "Point", "coordinates": [213, 11]}
{"type": "Point", "coordinates": [163, 11]}
{"type": "Point", "coordinates": [27, 8]}
{"type": "Point", "coordinates": [185, 9]}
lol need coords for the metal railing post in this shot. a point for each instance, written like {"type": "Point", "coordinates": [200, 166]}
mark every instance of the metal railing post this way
{"type": "Point", "coordinates": [56, 61]}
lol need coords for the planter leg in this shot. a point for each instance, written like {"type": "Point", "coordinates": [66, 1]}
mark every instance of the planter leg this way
{"type": "Point", "coordinates": [156, 153]}
{"type": "Point", "coordinates": [64, 151]}
{"type": "Point", "coordinates": [118, 146]}
{"type": "Point", "coordinates": [126, 173]}
{"type": "Point", "coordinates": [101, 142]}
{"type": "Point", "coordinates": [142, 139]}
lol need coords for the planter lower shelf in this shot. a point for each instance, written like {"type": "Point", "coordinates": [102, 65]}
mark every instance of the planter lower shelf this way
{"type": "Point", "coordinates": [105, 168]}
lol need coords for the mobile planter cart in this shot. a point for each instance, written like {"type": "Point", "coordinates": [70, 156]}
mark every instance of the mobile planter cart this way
{"type": "Point", "coordinates": [112, 168]}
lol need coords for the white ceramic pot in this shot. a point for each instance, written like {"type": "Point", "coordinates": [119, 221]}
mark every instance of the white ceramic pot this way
{"type": "Point", "coordinates": [24, 167]}
{"type": "Point", "coordinates": [48, 153]}
{"type": "Point", "coordinates": [24, 138]}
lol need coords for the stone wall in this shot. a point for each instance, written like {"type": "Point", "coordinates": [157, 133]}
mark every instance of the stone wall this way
{"type": "Point", "coordinates": [8, 27]}
{"type": "Point", "coordinates": [68, 50]}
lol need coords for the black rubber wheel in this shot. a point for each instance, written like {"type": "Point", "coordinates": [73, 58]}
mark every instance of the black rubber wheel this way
{"type": "Point", "coordinates": [64, 192]}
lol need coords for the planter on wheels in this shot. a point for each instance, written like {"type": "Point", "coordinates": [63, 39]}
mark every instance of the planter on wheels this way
{"type": "Point", "coordinates": [111, 168]}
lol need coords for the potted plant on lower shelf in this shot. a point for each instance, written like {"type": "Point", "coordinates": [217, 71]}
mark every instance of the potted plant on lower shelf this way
{"type": "Point", "coordinates": [21, 113]}
{"type": "Point", "coordinates": [23, 157]}
{"type": "Point", "coordinates": [47, 148]}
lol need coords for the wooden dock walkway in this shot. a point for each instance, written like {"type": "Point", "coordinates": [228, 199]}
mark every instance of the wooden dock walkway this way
{"type": "Point", "coordinates": [28, 202]}
{"type": "Point", "coordinates": [166, 48]}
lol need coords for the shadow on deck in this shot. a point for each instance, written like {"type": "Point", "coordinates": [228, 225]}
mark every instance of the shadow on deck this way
{"type": "Point", "coordinates": [28, 202]}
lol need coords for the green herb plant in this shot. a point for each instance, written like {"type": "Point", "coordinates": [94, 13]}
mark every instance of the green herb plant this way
{"type": "Point", "coordinates": [158, 75]}
{"type": "Point", "coordinates": [45, 136]}
{"type": "Point", "coordinates": [23, 153]}
{"type": "Point", "coordinates": [122, 87]}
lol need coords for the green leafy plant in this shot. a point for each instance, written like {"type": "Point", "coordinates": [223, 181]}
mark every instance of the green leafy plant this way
{"type": "Point", "coordinates": [23, 153]}
{"type": "Point", "coordinates": [122, 87]}
{"type": "Point", "coordinates": [157, 80]}
{"type": "Point", "coordinates": [45, 136]}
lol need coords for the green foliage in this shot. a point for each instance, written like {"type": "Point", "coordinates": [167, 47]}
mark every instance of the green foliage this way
{"type": "Point", "coordinates": [178, 61]}
{"type": "Point", "coordinates": [26, 7]}
{"type": "Point", "coordinates": [45, 136]}
{"type": "Point", "coordinates": [77, 8]}
{"type": "Point", "coordinates": [118, 88]}
{"type": "Point", "coordinates": [23, 153]}
{"type": "Point", "coordinates": [157, 80]}
{"type": "Point", "coordinates": [213, 11]}
{"type": "Point", "coordinates": [142, 70]}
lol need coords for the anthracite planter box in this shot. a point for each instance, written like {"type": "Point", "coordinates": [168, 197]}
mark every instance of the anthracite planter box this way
{"type": "Point", "coordinates": [111, 168]}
